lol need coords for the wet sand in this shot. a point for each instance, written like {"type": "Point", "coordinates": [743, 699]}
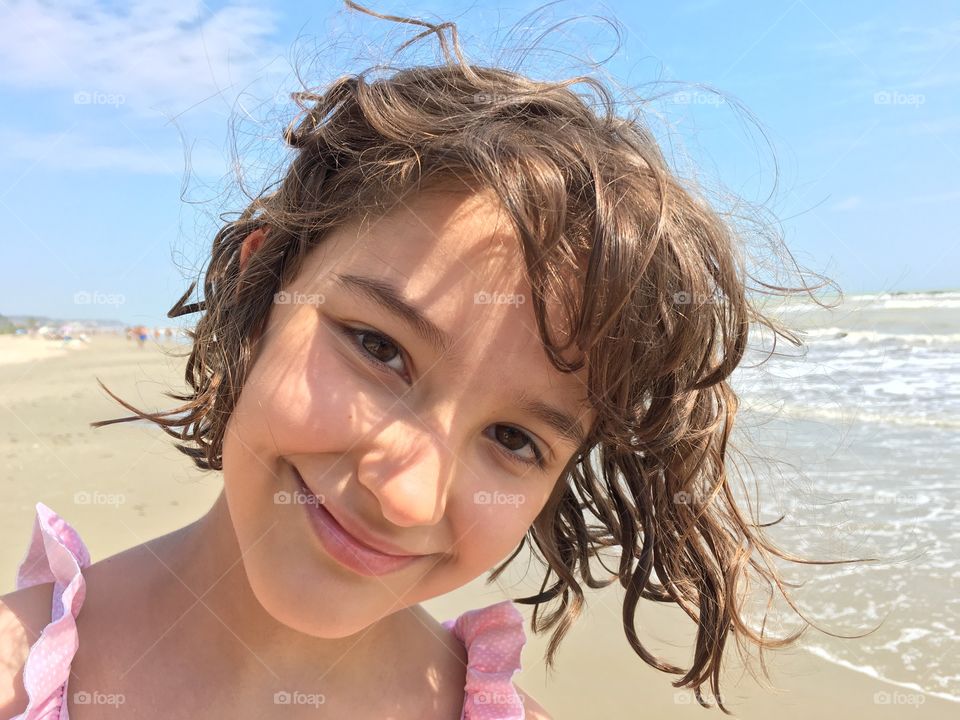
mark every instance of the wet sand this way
{"type": "Point", "coordinates": [124, 484]}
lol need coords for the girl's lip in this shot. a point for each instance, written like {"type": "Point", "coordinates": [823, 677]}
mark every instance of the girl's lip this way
{"type": "Point", "coordinates": [343, 546]}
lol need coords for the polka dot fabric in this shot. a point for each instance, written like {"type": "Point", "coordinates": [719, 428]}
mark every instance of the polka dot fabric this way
{"type": "Point", "coordinates": [56, 554]}
{"type": "Point", "coordinates": [493, 635]}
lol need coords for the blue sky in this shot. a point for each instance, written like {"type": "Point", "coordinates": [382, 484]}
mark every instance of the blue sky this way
{"type": "Point", "coordinates": [102, 106]}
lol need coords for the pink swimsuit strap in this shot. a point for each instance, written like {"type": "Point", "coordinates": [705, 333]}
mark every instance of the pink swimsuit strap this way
{"type": "Point", "coordinates": [56, 554]}
{"type": "Point", "coordinates": [494, 638]}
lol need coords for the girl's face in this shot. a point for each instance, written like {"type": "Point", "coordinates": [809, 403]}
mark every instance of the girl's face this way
{"type": "Point", "coordinates": [402, 379]}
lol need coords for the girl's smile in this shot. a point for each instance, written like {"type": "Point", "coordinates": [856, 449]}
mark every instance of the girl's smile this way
{"type": "Point", "coordinates": [367, 556]}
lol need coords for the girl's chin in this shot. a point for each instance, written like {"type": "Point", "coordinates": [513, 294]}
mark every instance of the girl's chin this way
{"type": "Point", "coordinates": [329, 614]}
{"type": "Point", "coordinates": [312, 595]}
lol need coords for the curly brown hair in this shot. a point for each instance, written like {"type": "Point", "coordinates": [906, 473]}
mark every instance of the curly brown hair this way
{"type": "Point", "coordinates": [661, 312]}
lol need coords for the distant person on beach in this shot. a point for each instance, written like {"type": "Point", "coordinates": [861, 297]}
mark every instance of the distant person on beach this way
{"type": "Point", "coordinates": [476, 315]}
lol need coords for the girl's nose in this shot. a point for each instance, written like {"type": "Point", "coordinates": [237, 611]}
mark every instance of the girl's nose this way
{"type": "Point", "coordinates": [410, 470]}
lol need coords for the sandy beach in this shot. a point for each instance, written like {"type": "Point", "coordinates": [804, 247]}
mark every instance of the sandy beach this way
{"type": "Point", "coordinates": [16, 350]}
{"type": "Point", "coordinates": [124, 484]}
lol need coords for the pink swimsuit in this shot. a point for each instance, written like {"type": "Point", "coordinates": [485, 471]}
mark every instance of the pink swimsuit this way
{"type": "Point", "coordinates": [492, 635]}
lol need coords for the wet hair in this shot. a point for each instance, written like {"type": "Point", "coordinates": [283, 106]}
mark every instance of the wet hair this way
{"type": "Point", "coordinates": [654, 293]}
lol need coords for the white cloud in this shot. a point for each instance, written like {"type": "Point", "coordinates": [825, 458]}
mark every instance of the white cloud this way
{"type": "Point", "coordinates": [161, 56]}
{"type": "Point", "coordinates": [71, 150]}
{"type": "Point", "coordinates": [119, 72]}
{"type": "Point", "coordinates": [850, 203]}
{"type": "Point", "coordinates": [950, 196]}
{"type": "Point", "coordinates": [902, 58]}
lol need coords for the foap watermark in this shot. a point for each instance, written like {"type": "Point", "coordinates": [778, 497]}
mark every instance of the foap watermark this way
{"type": "Point", "coordinates": [95, 97]}
{"type": "Point", "coordinates": [482, 98]}
{"type": "Point", "coordinates": [483, 497]}
{"type": "Point", "coordinates": [83, 697]}
{"type": "Point", "coordinates": [683, 297]}
{"type": "Point", "coordinates": [95, 297]}
{"type": "Point", "coordinates": [493, 298]}
{"type": "Point", "coordinates": [896, 498]}
{"type": "Point", "coordinates": [84, 497]}
{"type": "Point", "coordinates": [897, 697]}
{"type": "Point", "coordinates": [285, 297]}
{"type": "Point", "coordinates": [893, 97]}
{"type": "Point", "coordinates": [485, 98]}
{"type": "Point", "coordinates": [682, 497]}
{"type": "Point", "coordinates": [686, 697]}
{"type": "Point", "coordinates": [283, 697]}
{"type": "Point", "coordinates": [486, 697]}
{"type": "Point", "coordinates": [284, 497]}
{"type": "Point", "coordinates": [697, 98]}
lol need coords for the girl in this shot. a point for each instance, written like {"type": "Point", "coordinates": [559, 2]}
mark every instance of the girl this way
{"type": "Point", "coordinates": [474, 315]}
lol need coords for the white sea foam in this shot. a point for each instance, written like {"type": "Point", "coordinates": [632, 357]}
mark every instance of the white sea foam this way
{"type": "Point", "coordinates": [852, 337]}
{"type": "Point", "coordinates": [907, 635]}
{"type": "Point", "coordinates": [849, 415]}
{"type": "Point", "coordinates": [870, 301]}
{"type": "Point", "coordinates": [920, 303]}
{"type": "Point", "coordinates": [874, 673]}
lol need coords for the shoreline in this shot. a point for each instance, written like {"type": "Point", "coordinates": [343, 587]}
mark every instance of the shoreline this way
{"type": "Point", "coordinates": [873, 674]}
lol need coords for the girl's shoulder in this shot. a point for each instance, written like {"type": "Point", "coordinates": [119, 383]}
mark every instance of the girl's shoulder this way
{"type": "Point", "coordinates": [24, 614]}
{"type": "Point", "coordinates": [38, 631]}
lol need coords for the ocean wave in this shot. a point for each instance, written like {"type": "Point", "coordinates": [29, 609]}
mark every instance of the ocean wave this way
{"type": "Point", "coordinates": [853, 414]}
{"type": "Point", "coordinates": [906, 635]}
{"type": "Point", "coordinates": [916, 305]}
{"type": "Point", "coordinates": [819, 335]}
{"type": "Point", "coordinates": [938, 300]}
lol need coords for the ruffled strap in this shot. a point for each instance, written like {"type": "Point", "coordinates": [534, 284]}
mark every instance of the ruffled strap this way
{"type": "Point", "coordinates": [56, 554]}
{"type": "Point", "coordinates": [494, 638]}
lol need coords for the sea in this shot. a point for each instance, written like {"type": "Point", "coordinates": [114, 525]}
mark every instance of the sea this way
{"type": "Point", "coordinates": [854, 439]}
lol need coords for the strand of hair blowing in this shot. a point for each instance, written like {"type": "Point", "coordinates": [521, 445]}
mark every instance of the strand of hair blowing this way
{"type": "Point", "coordinates": [650, 283]}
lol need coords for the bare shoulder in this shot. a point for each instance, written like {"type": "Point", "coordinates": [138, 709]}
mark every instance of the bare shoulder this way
{"type": "Point", "coordinates": [23, 615]}
{"type": "Point", "coordinates": [532, 710]}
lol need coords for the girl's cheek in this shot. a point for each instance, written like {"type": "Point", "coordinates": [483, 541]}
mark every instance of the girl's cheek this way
{"type": "Point", "coordinates": [312, 398]}
{"type": "Point", "coordinates": [490, 535]}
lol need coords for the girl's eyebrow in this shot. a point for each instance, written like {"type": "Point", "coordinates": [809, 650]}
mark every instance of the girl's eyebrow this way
{"type": "Point", "coordinates": [389, 297]}
{"type": "Point", "coordinates": [562, 422]}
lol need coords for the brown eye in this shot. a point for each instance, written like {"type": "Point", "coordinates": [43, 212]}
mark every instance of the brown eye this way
{"type": "Point", "coordinates": [376, 349]}
{"type": "Point", "coordinates": [513, 439]}
{"type": "Point", "coordinates": [379, 346]}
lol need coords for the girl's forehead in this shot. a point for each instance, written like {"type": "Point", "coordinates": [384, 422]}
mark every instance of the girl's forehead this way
{"type": "Point", "coordinates": [450, 253]}
{"type": "Point", "coordinates": [440, 225]}
{"type": "Point", "coordinates": [438, 244]}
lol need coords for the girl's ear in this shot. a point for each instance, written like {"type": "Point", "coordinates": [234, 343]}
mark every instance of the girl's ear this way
{"type": "Point", "coordinates": [249, 246]}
